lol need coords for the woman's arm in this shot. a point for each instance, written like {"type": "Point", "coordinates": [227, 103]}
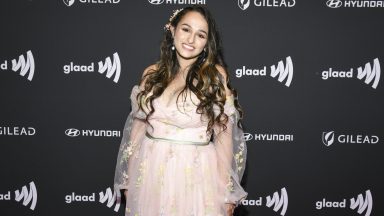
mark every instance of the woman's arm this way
{"type": "Point", "coordinates": [133, 133]}
{"type": "Point", "coordinates": [231, 151]}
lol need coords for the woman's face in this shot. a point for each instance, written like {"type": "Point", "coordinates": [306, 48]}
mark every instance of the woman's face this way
{"type": "Point", "coordinates": [190, 35]}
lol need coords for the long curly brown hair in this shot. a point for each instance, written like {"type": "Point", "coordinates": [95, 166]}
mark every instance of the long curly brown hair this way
{"type": "Point", "coordinates": [209, 87]}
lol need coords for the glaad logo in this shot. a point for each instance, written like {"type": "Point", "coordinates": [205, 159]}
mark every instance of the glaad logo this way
{"type": "Point", "coordinates": [27, 196]}
{"type": "Point", "coordinates": [112, 198]}
{"type": "Point", "coordinates": [71, 2]}
{"type": "Point", "coordinates": [73, 132]}
{"type": "Point", "coordinates": [244, 4]}
{"type": "Point", "coordinates": [370, 73]}
{"type": "Point", "coordinates": [26, 65]}
{"type": "Point", "coordinates": [110, 67]}
{"type": "Point", "coordinates": [328, 138]}
{"type": "Point", "coordinates": [334, 3]}
{"type": "Point", "coordinates": [278, 202]}
{"type": "Point", "coordinates": [363, 204]}
{"type": "Point", "coordinates": [158, 2]}
{"type": "Point", "coordinates": [107, 196]}
{"type": "Point", "coordinates": [360, 203]}
{"type": "Point", "coordinates": [355, 3]}
{"type": "Point", "coordinates": [285, 71]}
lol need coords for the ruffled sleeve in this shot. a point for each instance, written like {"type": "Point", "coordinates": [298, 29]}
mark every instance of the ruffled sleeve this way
{"type": "Point", "coordinates": [133, 133]}
{"type": "Point", "coordinates": [231, 153]}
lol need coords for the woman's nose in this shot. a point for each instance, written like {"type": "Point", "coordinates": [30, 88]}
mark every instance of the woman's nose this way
{"type": "Point", "coordinates": [191, 38]}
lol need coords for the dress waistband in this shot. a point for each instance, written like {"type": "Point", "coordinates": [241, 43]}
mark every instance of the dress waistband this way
{"type": "Point", "coordinates": [176, 141]}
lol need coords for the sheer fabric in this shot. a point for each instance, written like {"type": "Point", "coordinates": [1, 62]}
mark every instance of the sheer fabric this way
{"type": "Point", "coordinates": [133, 134]}
{"type": "Point", "coordinates": [171, 178]}
{"type": "Point", "coordinates": [231, 153]}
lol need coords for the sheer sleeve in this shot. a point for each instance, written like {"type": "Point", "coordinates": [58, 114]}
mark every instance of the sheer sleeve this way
{"type": "Point", "coordinates": [231, 153]}
{"type": "Point", "coordinates": [133, 133]}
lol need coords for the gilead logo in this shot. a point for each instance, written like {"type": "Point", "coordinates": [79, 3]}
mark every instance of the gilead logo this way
{"type": "Point", "coordinates": [330, 137]}
{"type": "Point", "coordinates": [244, 4]}
{"type": "Point", "coordinates": [360, 204]}
{"type": "Point", "coordinates": [71, 2]}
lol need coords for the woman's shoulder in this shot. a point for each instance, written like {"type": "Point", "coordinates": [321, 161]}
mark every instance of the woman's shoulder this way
{"type": "Point", "coordinates": [224, 74]}
{"type": "Point", "coordinates": [148, 70]}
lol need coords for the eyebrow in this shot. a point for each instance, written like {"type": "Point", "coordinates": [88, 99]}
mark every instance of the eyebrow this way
{"type": "Point", "coordinates": [199, 29]}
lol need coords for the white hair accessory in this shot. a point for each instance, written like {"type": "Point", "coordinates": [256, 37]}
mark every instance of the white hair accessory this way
{"type": "Point", "coordinates": [175, 12]}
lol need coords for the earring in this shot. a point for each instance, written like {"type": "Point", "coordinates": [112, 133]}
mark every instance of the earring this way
{"type": "Point", "coordinates": [173, 47]}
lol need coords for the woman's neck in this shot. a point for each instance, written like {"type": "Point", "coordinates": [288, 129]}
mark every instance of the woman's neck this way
{"type": "Point", "coordinates": [185, 63]}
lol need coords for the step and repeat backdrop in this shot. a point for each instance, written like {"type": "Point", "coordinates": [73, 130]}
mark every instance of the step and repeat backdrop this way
{"type": "Point", "coordinates": [308, 75]}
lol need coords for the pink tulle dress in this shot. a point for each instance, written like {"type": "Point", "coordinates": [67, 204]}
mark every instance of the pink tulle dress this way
{"type": "Point", "coordinates": [175, 168]}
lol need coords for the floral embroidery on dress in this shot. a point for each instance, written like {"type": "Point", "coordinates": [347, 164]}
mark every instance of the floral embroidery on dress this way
{"type": "Point", "coordinates": [173, 207]}
{"type": "Point", "coordinates": [239, 156]}
{"type": "Point", "coordinates": [125, 178]}
{"type": "Point", "coordinates": [161, 175]}
{"type": "Point", "coordinates": [128, 151]}
{"type": "Point", "coordinates": [171, 179]}
{"type": "Point", "coordinates": [196, 159]}
{"type": "Point", "coordinates": [188, 176]}
{"type": "Point", "coordinates": [230, 183]}
{"type": "Point", "coordinates": [142, 169]}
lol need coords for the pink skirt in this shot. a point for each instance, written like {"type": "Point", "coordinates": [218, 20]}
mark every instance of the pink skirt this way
{"type": "Point", "coordinates": [175, 179]}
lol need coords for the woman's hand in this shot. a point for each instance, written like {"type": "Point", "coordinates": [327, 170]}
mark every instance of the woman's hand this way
{"type": "Point", "coordinates": [230, 209]}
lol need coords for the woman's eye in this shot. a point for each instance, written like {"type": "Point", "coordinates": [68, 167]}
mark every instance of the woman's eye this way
{"type": "Point", "coordinates": [185, 29]}
{"type": "Point", "coordinates": [202, 36]}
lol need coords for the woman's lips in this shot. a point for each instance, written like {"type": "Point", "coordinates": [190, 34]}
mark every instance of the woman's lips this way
{"type": "Point", "coordinates": [188, 47]}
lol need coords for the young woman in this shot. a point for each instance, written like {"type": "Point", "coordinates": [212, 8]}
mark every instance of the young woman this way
{"type": "Point", "coordinates": [182, 151]}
